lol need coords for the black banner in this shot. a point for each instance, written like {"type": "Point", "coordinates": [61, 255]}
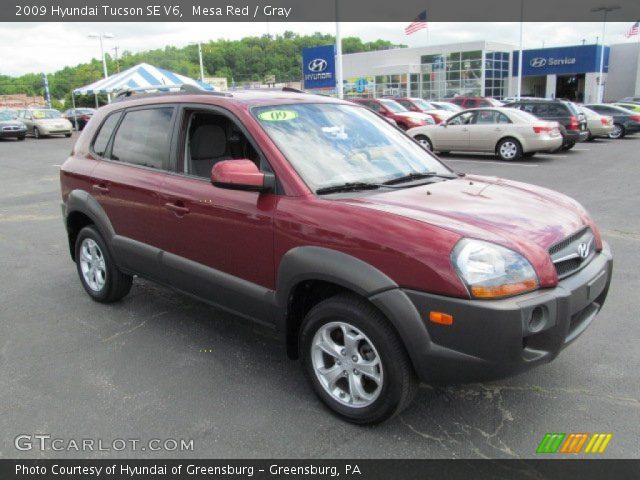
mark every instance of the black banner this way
{"type": "Point", "coordinates": [583, 469]}
{"type": "Point", "coordinates": [313, 11]}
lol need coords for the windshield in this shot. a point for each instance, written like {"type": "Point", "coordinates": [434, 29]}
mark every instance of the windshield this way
{"type": "Point", "coordinates": [573, 108]}
{"type": "Point", "coordinates": [46, 114]}
{"type": "Point", "coordinates": [333, 144]}
{"type": "Point", "coordinates": [589, 113]}
{"type": "Point", "coordinates": [449, 106]}
{"type": "Point", "coordinates": [6, 115]}
{"type": "Point", "coordinates": [394, 106]}
{"type": "Point", "coordinates": [424, 105]}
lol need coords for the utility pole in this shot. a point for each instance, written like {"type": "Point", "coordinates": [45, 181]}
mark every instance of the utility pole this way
{"type": "Point", "coordinates": [115, 49]}
{"type": "Point", "coordinates": [605, 10]}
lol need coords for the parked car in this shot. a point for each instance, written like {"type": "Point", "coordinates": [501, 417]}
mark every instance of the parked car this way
{"type": "Point", "coordinates": [624, 121]}
{"type": "Point", "coordinates": [10, 127]}
{"type": "Point", "coordinates": [507, 132]}
{"type": "Point", "coordinates": [598, 125]}
{"type": "Point", "coordinates": [420, 105]}
{"type": "Point", "coordinates": [632, 107]}
{"type": "Point", "coordinates": [448, 106]}
{"type": "Point", "coordinates": [629, 99]}
{"type": "Point", "coordinates": [43, 122]}
{"type": "Point", "coordinates": [79, 117]}
{"type": "Point", "coordinates": [475, 102]}
{"type": "Point", "coordinates": [376, 264]}
{"type": "Point", "coordinates": [573, 123]}
{"type": "Point", "coordinates": [393, 110]}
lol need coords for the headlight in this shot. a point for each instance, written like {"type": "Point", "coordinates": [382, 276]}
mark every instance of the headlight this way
{"type": "Point", "coordinates": [492, 271]}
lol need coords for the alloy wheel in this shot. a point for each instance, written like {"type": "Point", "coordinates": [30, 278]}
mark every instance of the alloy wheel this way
{"type": "Point", "coordinates": [347, 364]}
{"type": "Point", "coordinates": [616, 132]}
{"type": "Point", "coordinates": [92, 265]}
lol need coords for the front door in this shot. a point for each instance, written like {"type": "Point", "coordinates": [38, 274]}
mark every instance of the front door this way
{"type": "Point", "coordinates": [454, 134]}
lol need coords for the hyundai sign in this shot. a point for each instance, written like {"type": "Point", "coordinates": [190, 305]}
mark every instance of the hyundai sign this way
{"type": "Point", "coordinates": [319, 67]}
{"type": "Point", "coordinates": [561, 60]}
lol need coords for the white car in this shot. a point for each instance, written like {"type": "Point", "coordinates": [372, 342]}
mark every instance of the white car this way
{"type": "Point", "coordinates": [44, 122]}
{"type": "Point", "coordinates": [507, 132]}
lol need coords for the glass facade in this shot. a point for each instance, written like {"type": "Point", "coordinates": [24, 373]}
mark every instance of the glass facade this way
{"type": "Point", "coordinates": [496, 73]}
{"type": "Point", "coordinates": [449, 74]}
{"type": "Point", "coordinates": [391, 86]}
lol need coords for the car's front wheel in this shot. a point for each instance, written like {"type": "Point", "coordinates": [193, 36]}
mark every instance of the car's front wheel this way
{"type": "Point", "coordinates": [424, 141]}
{"type": "Point", "coordinates": [509, 149]}
{"type": "Point", "coordinates": [617, 132]}
{"type": "Point", "coordinates": [36, 132]}
{"type": "Point", "coordinates": [355, 361]}
{"type": "Point", "coordinates": [99, 275]}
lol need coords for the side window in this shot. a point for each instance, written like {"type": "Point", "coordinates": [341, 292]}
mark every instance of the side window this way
{"type": "Point", "coordinates": [104, 134]}
{"type": "Point", "coordinates": [540, 109]}
{"type": "Point", "coordinates": [374, 106]}
{"type": "Point", "coordinates": [144, 137]}
{"type": "Point", "coordinates": [557, 111]}
{"type": "Point", "coordinates": [462, 119]}
{"type": "Point", "coordinates": [502, 118]}
{"type": "Point", "coordinates": [485, 117]}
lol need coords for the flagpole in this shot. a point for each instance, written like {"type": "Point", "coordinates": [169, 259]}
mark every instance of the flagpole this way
{"type": "Point", "coordinates": [519, 89]}
{"type": "Point", "coordinates": [339, 84]}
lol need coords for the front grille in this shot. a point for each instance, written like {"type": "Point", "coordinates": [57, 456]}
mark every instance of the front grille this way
{"type": "Point", "coordinates": [573, 253]}
{"type": "Point", "coordinates": [10, 128]}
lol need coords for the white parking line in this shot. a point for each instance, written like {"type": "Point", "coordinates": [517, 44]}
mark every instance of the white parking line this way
{"type": "Point", "coordinates": [483, 162]}
{"type": "Point", "coordinates": [581, 149]}
{"type": "Point", "coordinates": [56, 165]}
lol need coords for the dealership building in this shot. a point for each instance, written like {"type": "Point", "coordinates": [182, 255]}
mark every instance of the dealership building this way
{"type": "Point", "coordinates": [490, 69]}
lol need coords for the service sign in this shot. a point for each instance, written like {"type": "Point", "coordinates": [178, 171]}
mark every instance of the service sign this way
{"type": "Point", "coordinates": [319, 67]}
{"type": "Point", "coordinates": [561, 60]}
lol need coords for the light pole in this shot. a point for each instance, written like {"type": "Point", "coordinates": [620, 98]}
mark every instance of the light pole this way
{"type": "Point", "coordinates": [605, 10]}
{"type": "Point", "coordinates": [104, 58]}
{"type": "Point", "coordinates": [519, 89]}
{"type": "Point", "coordinates": [200, 58]}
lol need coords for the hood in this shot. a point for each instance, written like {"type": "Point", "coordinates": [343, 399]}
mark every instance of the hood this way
{"type": "Point", "coordinates": [11, 123]}
{"type": "Point", "coordinates": [520, 216]}
{"type": "Point", "coordinates": [418, 115]}
{"type": "Point", "coordinates": [441, 113]}
{"type": "Point", "coordinates": [51, 120]}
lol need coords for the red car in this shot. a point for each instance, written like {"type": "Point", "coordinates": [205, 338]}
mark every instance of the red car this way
{"type": "Point", "coordinates": [377, 265]}
{"type": "Point", "coordinates": [474, 102]}
{"type": "Point", "coordinates": [391, 109]}
{"type": "Point", "coordinates": [420, 105]}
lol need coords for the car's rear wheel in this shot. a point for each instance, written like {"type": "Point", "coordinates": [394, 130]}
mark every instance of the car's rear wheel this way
{"type": "Point", "coordinates": [509, 149]}
{"type": "Point", "coordinates": [355, 361]}
{"type": "Point", "coordinates": [424, 141]}
{"type": "Point", "coordinates": [568, 146]}
{"type": "Point", "coordinates": [36, 133]}
{"type": "Point", "coordinates": [67, 135]}
{"type": "Point", "coordinates": [98, 272]}
{"type": "Point", "coordinates": [617, 132]}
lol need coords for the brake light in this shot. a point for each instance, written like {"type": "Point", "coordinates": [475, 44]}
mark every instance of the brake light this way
{"type": "Point", "coordinates": [604, 120]}
{"type": "Point", "coordinates": [542, 128]}
{"type": "Point", "coordinates": [573, 123]}
{"type": "Point", "coordinates": [635, 118]}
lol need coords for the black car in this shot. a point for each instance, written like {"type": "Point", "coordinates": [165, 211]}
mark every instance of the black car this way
{"type": "Point", "coordinates": [10, 127]}
{"type": "Point", "coordinates": [573, 123]}
{"type": "Point", "coordinates": [79, 117]}
{"type": "Point", "coordinates": [624, 121]}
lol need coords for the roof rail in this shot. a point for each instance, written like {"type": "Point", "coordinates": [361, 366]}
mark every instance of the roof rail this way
{"type": "Point", "coordinates": [166, 89]}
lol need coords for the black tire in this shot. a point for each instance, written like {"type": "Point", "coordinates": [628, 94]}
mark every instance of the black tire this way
{"type": "Point", "coordinates": [445, 153]}
{"type": "Point", "coordinates": [424, 141]}
{"type": "Point", "coordinates": [568, 146]}
{"type": "Point", "coordinates": [67, 135]}
{"type": "Point", "coordinates": [515, 149]}
{"type": "Point", "coordinates": [399, 384]}
{"type": "Point", "coordinates": [528, 154]}
{"type": "Point", "coordinates": [619, 131]}
{"type": "Point", "coordinates": [36, 133]}
{"type": "Point", "coordinates": [116, 284]}
{"type": "Point", "coordinates": [590, 138]}
{"type": "Point", "coordinates": [21, 137]}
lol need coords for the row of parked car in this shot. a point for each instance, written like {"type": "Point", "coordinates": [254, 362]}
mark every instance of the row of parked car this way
{"type": "Point", "coordinates": [42, 122]}
{"type": "Point", "coordinates": [512, 130]}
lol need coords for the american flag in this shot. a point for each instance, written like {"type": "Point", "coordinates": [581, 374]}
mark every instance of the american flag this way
{"type": "Point", "coordinates": [633, 30]}
{"type": "Point", "coordinates": [418, 23]}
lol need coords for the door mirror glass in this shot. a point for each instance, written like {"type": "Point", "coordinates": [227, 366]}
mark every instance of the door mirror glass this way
{"type": "Point", "coordinates": [241, 175]}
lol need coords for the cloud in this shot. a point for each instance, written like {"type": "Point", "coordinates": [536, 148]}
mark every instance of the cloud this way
{"type": "Point", "coordinates": [47, 47]}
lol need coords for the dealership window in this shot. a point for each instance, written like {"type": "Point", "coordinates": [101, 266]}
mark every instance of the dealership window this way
{"type": "Point", "coordinates": [496, 72]}
{"type": "Point", "coordinates": [451, 74]}
{"type": "Point", "coordinates": [391, 85]}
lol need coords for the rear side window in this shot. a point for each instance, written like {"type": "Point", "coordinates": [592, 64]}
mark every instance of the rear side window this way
{"type": "Point", "coordinates": [144, 138]}
{"type": "Point", "coordinates": [106, 130]}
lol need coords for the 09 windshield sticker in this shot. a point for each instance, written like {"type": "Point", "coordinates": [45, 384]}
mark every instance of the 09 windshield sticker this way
{"type": "Point", "coordinates": [278, 115]}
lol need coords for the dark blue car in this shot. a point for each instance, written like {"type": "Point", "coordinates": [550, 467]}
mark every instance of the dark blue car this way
{"type": "Point", "coordinates": [624, 121]}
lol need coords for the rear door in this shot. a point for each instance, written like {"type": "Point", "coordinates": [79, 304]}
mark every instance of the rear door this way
{"type": "Point", "coordinates": [126, 182]}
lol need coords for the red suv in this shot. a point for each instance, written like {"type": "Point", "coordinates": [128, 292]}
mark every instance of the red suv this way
{"type": "Point", "coordinates": [377, 264]}
{"type": "Point", "coordinates": [475, 102]}
{"type": "Point", "coordinates": [391, 109]}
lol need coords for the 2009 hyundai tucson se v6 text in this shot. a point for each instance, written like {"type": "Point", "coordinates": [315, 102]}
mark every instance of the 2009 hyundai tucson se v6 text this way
{"type": "Point", "coordinates": [379, 266]}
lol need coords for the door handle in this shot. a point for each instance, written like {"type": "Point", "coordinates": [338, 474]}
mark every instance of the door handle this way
{"type": "Point", "coordinates": [176, 208]}
{"type": "Point", "coordinates": [101, 188]}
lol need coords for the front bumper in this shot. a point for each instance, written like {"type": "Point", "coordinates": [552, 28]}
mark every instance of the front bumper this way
{"type": "Point", "coordinates": [498, 338]}
{"type": "Point", "coordinates": [12, 133]}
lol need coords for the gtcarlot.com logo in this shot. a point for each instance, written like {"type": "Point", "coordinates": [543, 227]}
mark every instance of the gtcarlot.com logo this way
{"type": "Point", "coordinates": [574, 443]}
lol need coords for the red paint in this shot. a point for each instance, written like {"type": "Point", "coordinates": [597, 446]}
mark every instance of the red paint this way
{"type": "Point", "coordinates": [237, 172]}
{"type": "Point", "coordinates": [406, 233]}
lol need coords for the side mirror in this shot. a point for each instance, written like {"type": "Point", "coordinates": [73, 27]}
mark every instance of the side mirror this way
{"type": "Point", "coordinates": [241, 175]}
{"type": "Point", "coordinates": [443, 124]}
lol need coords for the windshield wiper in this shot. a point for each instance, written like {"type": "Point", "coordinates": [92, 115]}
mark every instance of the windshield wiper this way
{"type": "Point", "coordinates": [417, 176]}
{"type": "Point", "coordinates": [347, 187]}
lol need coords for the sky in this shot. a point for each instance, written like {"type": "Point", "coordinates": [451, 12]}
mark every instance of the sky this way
{"type": "Point", "coordinates": [48, 47]}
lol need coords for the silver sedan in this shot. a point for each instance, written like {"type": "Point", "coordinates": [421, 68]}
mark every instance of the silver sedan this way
{"type": "Point", "coordinates": [506, 132]}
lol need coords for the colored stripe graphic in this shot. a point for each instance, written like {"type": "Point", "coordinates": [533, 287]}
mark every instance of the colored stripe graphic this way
{"type": "Point", "coordinates": [550, 442]}
{"type": "Point", "coordinates": [572, 443]}
{"type": "Point", "coordinates": [598, 443]}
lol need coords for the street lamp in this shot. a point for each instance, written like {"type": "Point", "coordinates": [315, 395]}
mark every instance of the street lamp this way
{"type": "Point", "coordinates": [200, 58]}
{"type": "Point", "coordinates": [605, 10]}
{"type": "Point", "coordinates": [104, 58]}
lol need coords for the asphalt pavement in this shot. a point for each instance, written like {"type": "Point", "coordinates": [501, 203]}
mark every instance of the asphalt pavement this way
{"type": "Point", "coordinates": [160, 365]}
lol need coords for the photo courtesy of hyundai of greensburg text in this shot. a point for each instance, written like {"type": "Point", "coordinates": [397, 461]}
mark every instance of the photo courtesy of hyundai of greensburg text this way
{"type": "Point", "coordinates": [292, 239]}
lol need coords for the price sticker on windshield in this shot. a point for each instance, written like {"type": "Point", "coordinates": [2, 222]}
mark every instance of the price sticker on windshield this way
{"type": "Point", "coordinates": [278, 115]}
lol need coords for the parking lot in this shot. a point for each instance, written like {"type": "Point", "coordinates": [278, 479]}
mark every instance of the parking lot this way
{"type": "Point", "coordinates": [161, 365]}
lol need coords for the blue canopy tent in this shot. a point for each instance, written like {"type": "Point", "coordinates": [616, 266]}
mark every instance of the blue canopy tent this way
{"type": "Point", "coordinates": [141, 77]}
